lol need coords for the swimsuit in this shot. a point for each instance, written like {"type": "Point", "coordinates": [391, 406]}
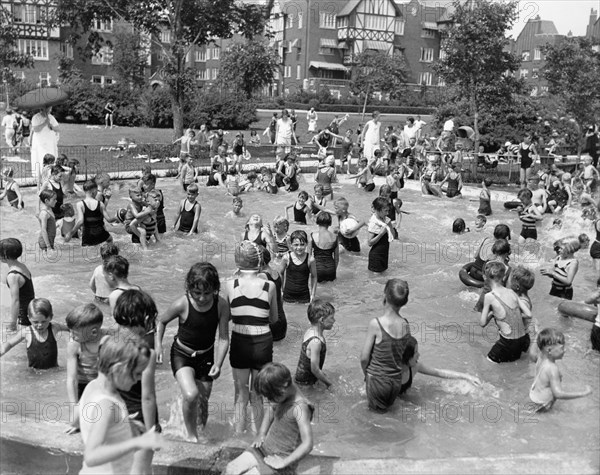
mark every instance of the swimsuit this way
{"type": "Point", "coordinates": [324, 179]}
{"type": "Point", "coordinates": [42, 354]}
{"type": "Point", "coordinates": [510, 344]}
{"type": "Point", "coordinates": [279, 328]}
{"type": "Point", "coordinates": [161, 221]}
{"type": "Point", "coordinates": [94, 232]}
{"type": "Point", "coordinates": [314, 210]}
{"type": "Point", "coordinates": [595, 249]}
{"type": "Point", "coordinates": [296, 281]}
{"type": "Point", "coordinates": [87, 367]}
{"type": "Point", "coordinates": [26, 295]}
{"type": "Point", "coordinates": [304, 375]}
{"type": "Point", "coordinates": [526, 160]}
{"type": "Point", "coordinates": [405, 386]}
{"type": "Point", "coordinates": [529, 231]}
{"type": "Point", "coordinates": [186, 218]}
{"type": "Point", "coordinates": [12, 197]}
{"type": "Point", "coordinates": [60, 196]}
{"type": "Point", "coordinates": [194, 345]}
{"type": "Point", "coordinates": [300, 214]}
{"type": "Point", "coordinates": [559, 289]}
{"type": "Point", "coordinates": [51, 230]}
{"type": "Point", "coordinates": [258, 240]}
{"type": "Point", "coordinates": [325, 261]}
{"type": "Point", "coordinates": [485, 205]}
{"type": "Point", "coordinates": [452, 189]}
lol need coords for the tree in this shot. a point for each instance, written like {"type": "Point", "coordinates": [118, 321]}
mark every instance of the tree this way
{"type": "Point", "coordinates": [9, 55]}
{"type": "Point", "coordinates": [573, 72]}
{"type": "Point", "coordinates": [189, 23]}
{"type": "Point", "coordinates": [390, 74]}
{"type": "Point", "coordinates": [248, 66]}
{"type": "Point", "coordinates": [477, 63]}
{"type": "Point", "coordinates": [129, 57]}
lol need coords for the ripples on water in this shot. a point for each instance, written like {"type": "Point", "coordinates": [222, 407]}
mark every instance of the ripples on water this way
{"type": "Point", "coordinates": [437, 418]}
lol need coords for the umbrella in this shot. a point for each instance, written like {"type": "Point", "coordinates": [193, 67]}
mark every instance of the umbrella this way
{"type": "Point", "coordinates": [465, 132]}
{"type": "Point", "coordinates": [41, 97]}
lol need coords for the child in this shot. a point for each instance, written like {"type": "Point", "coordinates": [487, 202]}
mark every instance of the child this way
{"type": "Point", "coordinates": [216, 177]}
{"type": "Point", "coordinates": [521, 282]}
{"type": "Point", "coordinates": [47, 220]}
{"type": "Point", "coordinates": [595, 333]}
{"type": "Point", "coordinates": [146, 172]}
{"type": "Point", "coordinates": [67, 223]}
{"type": "Point", "coordinates": [108, 436]}
{"type": "Point", "coordinates": [149, 185]}
{"type": "Point", "coordinates": [381, 357]}
{"type": "Point", "coordinates": [149, 222]}
{"type": "Point", "coordinates": [12, 192]}
{"type": "Point", "coordinates": [539, 195]}
{"type": "Point", "coordinates": [285, 435]}
{"type": "Point", "coordinates": [69, 185]}
{"type": "Point", "coordinates": [193, 354]}
{"type": "Point", "coordinates": [349, 241]}
{"type": "Point", "coordinates": [47, 164]}
{"type": "Point", "coordinates": [254, 138]}
{"type": "Point", "coordinates": [137, 212]}
{"type": "Point", "coordinates": [454, 181]}
{"type": "Point", "coordinates": [103, 192]}
{"type": "Point", "coordinates": [236, 212]}
{"type": "Point", "coordinates": [84, 323]}
{"type": "Point", "coordinates": [98, 282]}
{"type": "Point", "coordinates": [364, 177]}
{"type": "Point", "coordinates": [300, 278]}
{"type": "Point", "coordinates": [40, 336]}
{"type": "Point", "coordinates": [188, 214]}
{"type": "Point", "coordinates": [19, 282]}
{"type": "Point", "coordinates": [485, 198]}
{"type": "Point", "coordinates": [564, 269]}
{"type": "Point", "coordinates": [301, 209]}
{"type": "Point", "coordinates": [286, 175]}
{"type": "Point", "coordinates": [186, 140]}
{"type": "Point", "coordinates": [266, 181]}
{"type": "Point", "coordinates": [278, 328]}
{"type": "Point", "coordinates": [260, 235]}
{"type": "Point", "coordinates": [317, 202]}
{"type": "Point", "coordinates": [245, 185]}
{"type": "Point", "coordinates": [411, 366]}
{"type": "Point", "coordinates": [347, 147]}
{"type": "Point", "coordinates": [500, 253]}
{"type": "Point", "coordinates": [54, 183]}
{"type": "Point", "coordinates": [314, 347]}
{"type": "Point", "coordinates": [529, 214]}
{"type": "Point", "coordinates": [395, 179]}
{"type": "Point", "coordinates": [326, 175]}
{"type": "Point", "coordinates": [459, 226]}
{"type": "Point", "coordinates": [325, 249]}
{"type": "Point", "coordinates": [281, 226]}
{"type": "Point", "coordinates": [381, 234]}
{"type": "Point", "coordinates": [188, 172]}
{"type": "Point", "coordinates": [506, 309]}
{"type": "Point", "coordinates": [116, 272]}
{"type": "Point", "coordinates": [547, 384]}
{"type": "Point", "coordinates": [480, 222]}
{"type": "Point", "coordinates": [91, 214]}
{"type": "Point", "coordinates": [589, 175]}
{"type": "Point", "coordinates": [394, 205]}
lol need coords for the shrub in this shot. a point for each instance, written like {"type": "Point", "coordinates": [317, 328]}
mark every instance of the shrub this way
{"type": "Point", "coordinates": [220, 110]}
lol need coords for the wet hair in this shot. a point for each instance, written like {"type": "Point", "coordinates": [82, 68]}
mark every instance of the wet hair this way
{"type": "Point", "coordinates": [67, 210]}
{"type": "Point", "coordinates": [46, 195]}
{"type": "Point", "coordinates": [62, 160]}
{"type": "Point", "coordinates": [56, 169]}
{"type": "Point", "coordinates": [108, 249]}
{"type": "Point", "coordinates": [135, 309]}
{"type": "Point", "coordinates": [202, 276]}
{"type": "Point", "coordinates": [522, 279]}
{"type": "Point", "coordinates": [318, 186]}
{"type": "Point", "coordinates": [252, 176]}
{"type": "Point", "coordinates": [571, 245]}
{"type": "Point", "coordinates": [273, 380]}
{"type": "Point", "coordinates": [72, 163]}
{"type": "Point", "coordinates": [40, 306]}
{"type": "Point", "coordinates": [584, 240]}
{"type": "Point", "coordinates": [396, 292]}
{"type": "Point", "coordinates": [134, 188]}
{"type": "Point", "coordinates": [319, 310]}
{"type": "Point", "coordinates": [525, 193]}
{"type": "Point", "coordinates": [155, 194]}
{"type": "Point", "coordinates": [84, 316]}
{"type": "Point", "coordinates": [379, 204]}
{"type": "Point", "coordinates": [8, 172]}
{"type": "Point", "coordinates": [90, 185]}
{"type": "Point", "coordinates": [495, 271]}
{"type": "Point", "coordinates": [283, 221]}
{"type": "Point", "coordinates": [11, 248]}
{"type": "Point", "coordinates": [502, 231]}
{"type": "Point", "coordinates": [385, 190]}
{"type": "Point", "coordinates": [377, 153]}
{"type": "Point", "coordinates": [116, 265]}
{"type": "Point", "coordinates": [409, 349]}
{"type": "Point", "coordinates": [548, 337]}
{"type": "Point", "coordinates": [324, 219]}
{"type": "Point", "coordinates": [300, 236]}
{"type": "Point", "coordinates": [102, 179]}
{"type": "Point", "coordinates": [266, 256]}
{"type": "Point", "coordinates": [146, 170]}
{"type": "Point", "coordinates": [340, 200]}
{"type": "Point", "coordinates": [482, 217]}
{"type": "Point", "coordinates": [150, 178]}
{"type": "Point", "coordinates": [303, 194]}
{"type": "Point", "coordinates": [488, 182]}
{"type": "Point", "coordinates": [500, 247]}
{"type": "Point", "coordinates": [237, 199]}
{"type": "Point", "coordinates": [128, 351]}
{"type": "Point", "coordinates": [193, 188]}
{"type": "Point", "coordinates": [458, 226]}
{"type": "Point", "coordinates": [48, 159]}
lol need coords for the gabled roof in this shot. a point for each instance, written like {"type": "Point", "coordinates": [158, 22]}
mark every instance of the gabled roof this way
{"type": "Point", "coordinates": [352, 4]}
{"type": "Point", "coordinates": [545, 27]}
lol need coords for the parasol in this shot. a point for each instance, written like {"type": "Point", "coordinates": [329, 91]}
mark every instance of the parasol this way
{"type": "Point", "coordinates": [465, 132]}
{"type": "Point", "coordinates": [41, 97]}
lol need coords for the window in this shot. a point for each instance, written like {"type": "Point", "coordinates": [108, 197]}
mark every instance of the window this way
{"type": "Point", "coordinates": [399, 27]}
{"type": "Point", "coordinates": [201, 56]}
{"type": "Point", "coordinates": [215, 73]}
{"type": "Point", "coordinates": [335, 93]}
{"type": "Point", "coordinates": [376, 22]}
{"type": "Point", "coordinates": [216, 53]}
{"type": "Point", "coordinates": [44, 79]}
{"type": "Point", "coordinates": [165, 36]}
{"type": "Point", "coordinates": [537, 54]}
{"type": "Point", "coordinates": [328, 51]}
{"type": "Point", "coordinates": [276, 74]}
{"type": "Point", "coordinates": [160, 57]}
{"type": "Point", "coordinates": [38, 49]}
{"type": "Point", "coordinates": [300, 18]}
{"type": "Point", "coordinates": [524, 73]}
{"type": "Point", "coordinates": [289, 20]}
{"type": "Point", "coordinates": [441, 82]}
{"type": "Point", "coordinates": [534, 91]}
{"type": "Point", "coordinates": [104, 56]}
{"type": "Point", "coordinates": [535, 73]}
{"type": "Point", "coordinates": [426, 78]}
{"type": "Point", "coordinates": [544, 89]}
{"type": "Point", "coordinates": [102, 25]}
{"type": "Point", "coordinates": [442, 53]}
{"type": "Point", "coordinates": [109, 81]}
{"type": "Point", "coordinates": [342, 22]}
{"type": "Point", "coordinates": [426, 33]}
{"type": "Point", "coordinates": [96, 79]}
{"type": "Point", "coordinates": [67, 50]}
{"type": "Point", "coordinates": [426, 55]}
{"type": "Point", "coordinates": [287, 71]}
{"type": "Point", "coordinates": [31, 14]}
{"type": "Point", "coordinates": [202, 75]}
{"type": "Point", "coordinates": [298, 72]}
{"type": "Point", "coordinates": [525, 56]}
{"type": "Point", "coordinates": [327, 21]}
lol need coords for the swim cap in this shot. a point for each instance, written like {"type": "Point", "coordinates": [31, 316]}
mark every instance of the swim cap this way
{"type": "Point", "coordinates": [248, 256]}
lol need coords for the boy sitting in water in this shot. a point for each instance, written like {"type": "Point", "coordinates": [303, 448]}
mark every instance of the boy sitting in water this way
{"type": "Point", "coordinates": [506, 309]}
{"type": "Point", "coordinates": [547, 387]}
{"type": "Point", "coordinates": [236, 212]}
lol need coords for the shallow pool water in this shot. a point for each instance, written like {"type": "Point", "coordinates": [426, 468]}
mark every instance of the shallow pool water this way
{"type": "Point", "coordinates": [437, 418]}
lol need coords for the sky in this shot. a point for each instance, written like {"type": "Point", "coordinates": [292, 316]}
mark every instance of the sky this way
{"type": "Point", "coordinates": [566, 14]}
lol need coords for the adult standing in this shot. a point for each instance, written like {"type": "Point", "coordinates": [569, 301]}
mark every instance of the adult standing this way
{"type": "Point", "coordinates": [110, 109]}
{"type": "Point", "coordinates": [44, 139]}
{"type": "Point", "coordinates": [370, 136]}
{"type": "Point", "coordinates": [8, 123]}
{"type": "Point", "coordinates": [284, 134]}
{"type": "Point", "coordinates": [591, 144]}
{"type": "Point", "coordinates": [311, 118]}
{"type": "Point", "coordinates": [411, 130]}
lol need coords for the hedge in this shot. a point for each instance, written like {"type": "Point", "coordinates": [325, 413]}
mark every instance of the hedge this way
{"type": "Point", "coordinates": [351, 108]}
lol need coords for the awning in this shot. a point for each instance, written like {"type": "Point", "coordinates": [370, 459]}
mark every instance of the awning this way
{"type": "Point", "coordinates": [380, 45]}
{"type": "Point", "coordinates": [430, 25]}
{"type": "Point", "coordinates": [330, 66]}
{"type": "Point", "coordinates": [328, 43]}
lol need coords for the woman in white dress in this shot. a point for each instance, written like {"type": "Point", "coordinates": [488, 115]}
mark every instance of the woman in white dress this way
{"type": "Point", "coordinates": [371, 137]}
{"type": "Point", "coordinates": [44, 139]}
{"type": "Point", "coordinates": [312, 117]}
